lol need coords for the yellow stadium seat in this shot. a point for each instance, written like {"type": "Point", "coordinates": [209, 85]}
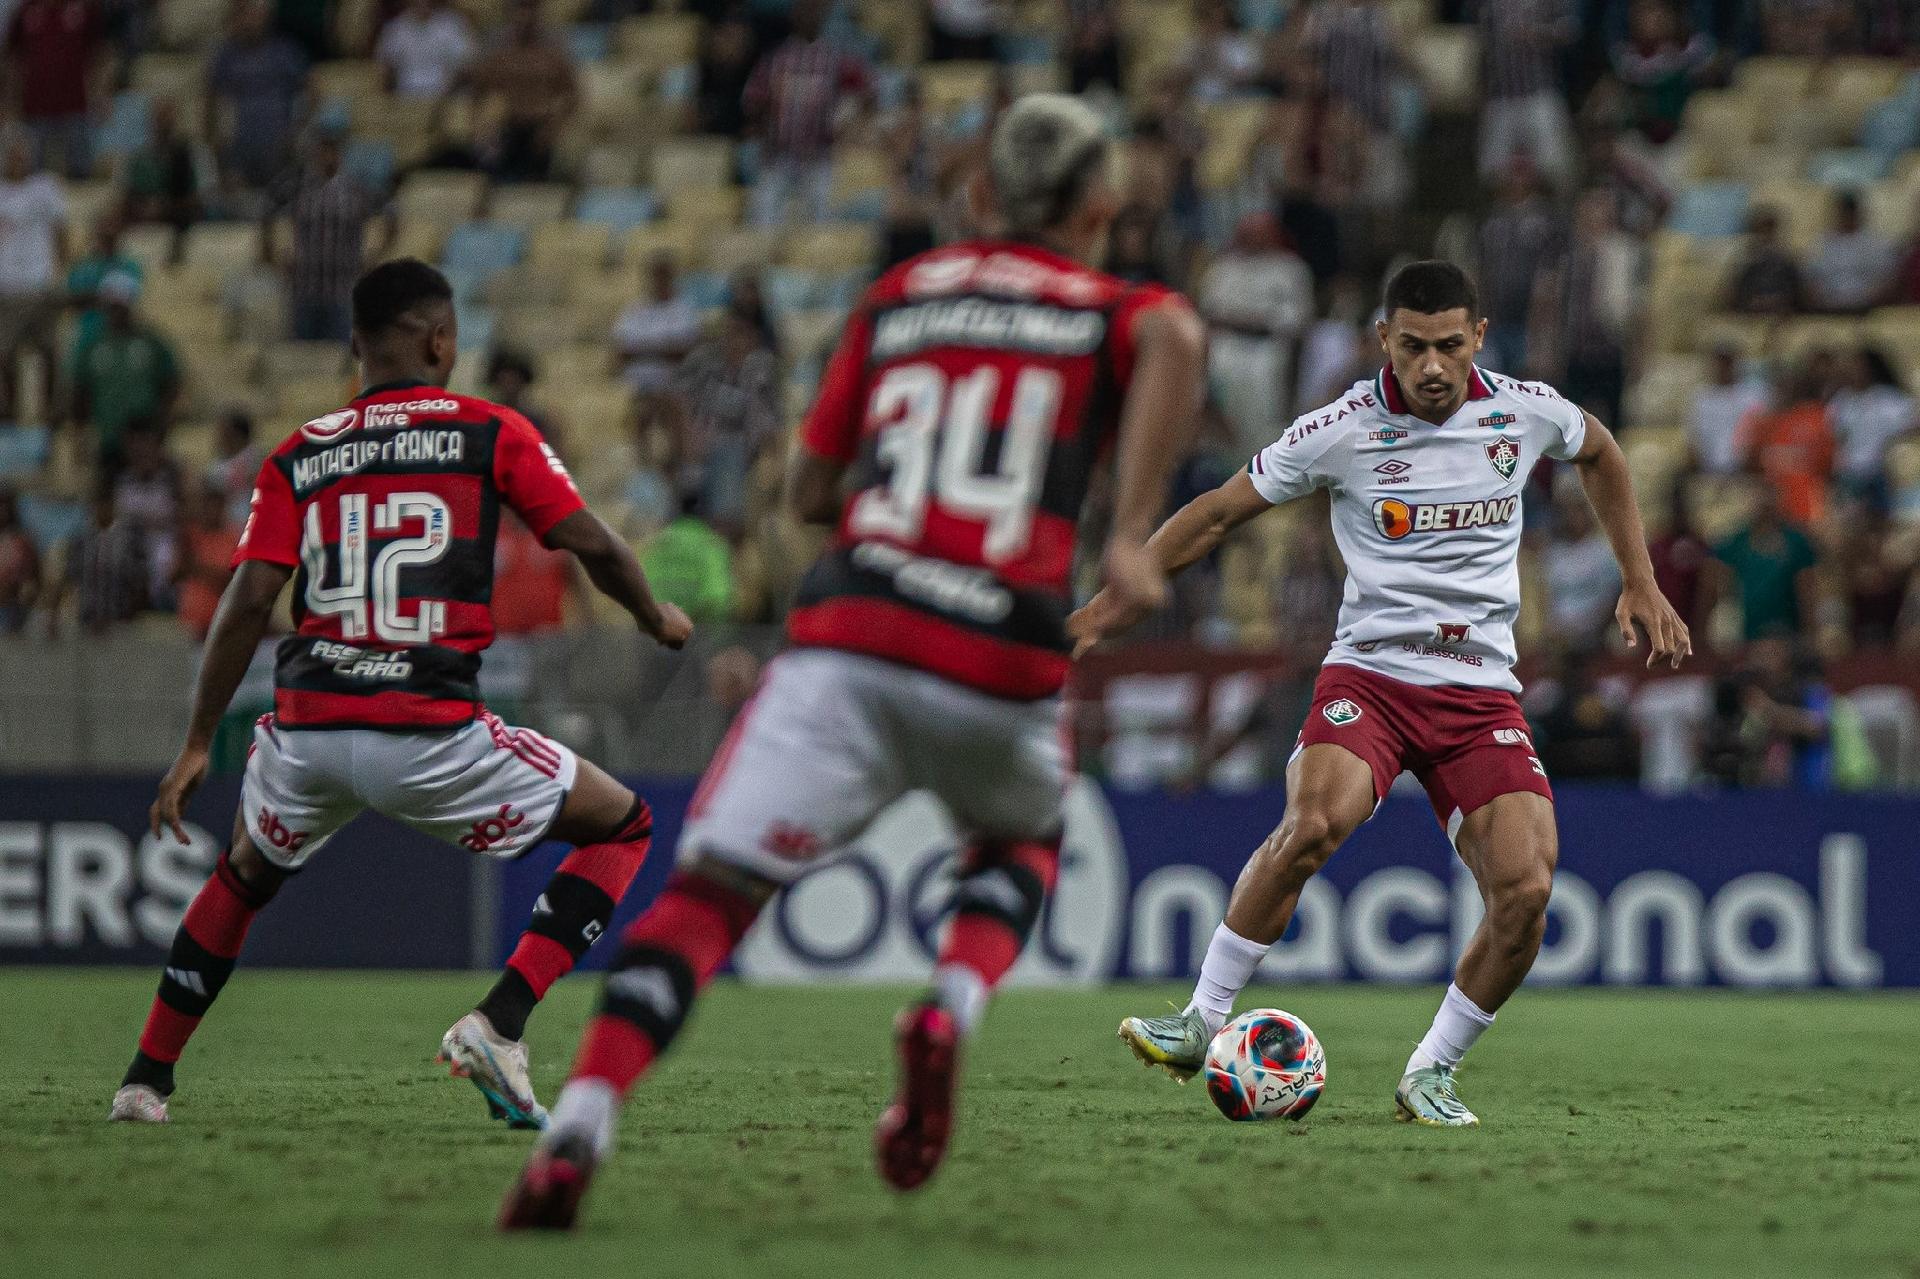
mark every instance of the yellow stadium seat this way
{"type": "Point", "coordinates": [1897, 330]}
{"type": "Point", "coordinates": [829, 247]}
{"type": "Point", "coordinates": [353, 80]}
{"type": "Point", "coordinates": [416, 237]}
{"type": "Point", "coordinates": [285, 362]}
{"type": "Point", "coordinates": [575, 365]}
{"type": "Point", "coordinates": [692, 164]}
{"type": "Point", "coordinates": [446, 196]}
{"type": "Point", "coordinates": [612, 95]}
{"type": "Point", "coordinates": [679, 239]}
{"type": "Point", "coordinates": [180, 76]}
{"type": "Point", "coordinates": [221, 247]}
{"type": "Point", "coordinates": [303, 399]}
{"type": "Point", "coordinates": [1903, 457]}
{"type": "Point", "coordinates": [598, 415]}
{"type": "Point", "coordinates": [751, 247]}
{"type": "Point", "coordinates": [1808, 333]}
{"type": "Point", "coordinates": [89, 202]}
{"type": "Point", "coordinates": [529, 206]}
{"type": "Point", "coordinates": [538, 327]}
{"type": "Point", "coordinates": [857, 170]}
{"type": "Point", "coordinates": [355, 24]}
{"type": "Point", "coordinates": [806, 334]}
{"type": "Point", "coordinates": [147, 245]}
{"type": "Point", "coordinates": [1773, 78]}
{"type": "Point", "coordinates": [1664, 390]}
{"type": "Point", "coordinates": [710, 209]}
{"type": "Point", "coordinates": [610, 164]}
{"type": "Point", "coordinates": [526, 286]}
{"type": "Point", "coordinates": [1857, 84]}
{"type": "Point", "coordinates": [192, 445]}
{"type": "Point", "coordinates": [1804, 208]}
{"type": "Point", "coordinates": [658, 40]}
{"type": "Point", "coordinates": [947, 87]}
{"type": "Point", "coordinates": [1447, 59]}
{"type": "Point", "coordinates": [569, 248]}
{"type": "Point", "coordinates": [189, 24]}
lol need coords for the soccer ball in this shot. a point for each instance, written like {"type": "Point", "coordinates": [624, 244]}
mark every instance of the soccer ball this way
{"type": "Point", "coordinates": [1265, 1064]}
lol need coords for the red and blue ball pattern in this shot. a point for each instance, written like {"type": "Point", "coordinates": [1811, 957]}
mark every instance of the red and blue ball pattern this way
{"type": "Point", "coordinates": [1265, 1064]}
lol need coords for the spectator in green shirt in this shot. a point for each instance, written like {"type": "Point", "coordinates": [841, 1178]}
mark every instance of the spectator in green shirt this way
{"type": "Point", "coordinates": [83, 280]}
{"type": "Point", "coordinates": [691, 565]}
{"type": "Point", "coordinates": [127, 372]}
{"type": "Point", "coordinates": [1772, 569]}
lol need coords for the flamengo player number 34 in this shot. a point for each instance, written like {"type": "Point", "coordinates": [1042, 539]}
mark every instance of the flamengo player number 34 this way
{"type": "Point", "coordinates": [348, 600]}
{"type": "Point", "coordinates": [910, 400]}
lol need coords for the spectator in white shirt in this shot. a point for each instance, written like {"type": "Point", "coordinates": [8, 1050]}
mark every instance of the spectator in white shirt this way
{"type": "Point", "coordinates": [1256, 297]}
{"type": "Point", "coordinates": [1868, 412]}
{"type": "Point", "coordinates": [1854, 268]}
{"type": "Point", "coordinates": [424, 48]}
{"type": "Point", "coordinates": [652, 335]}
{"type": "Point", "coordinates": [33, 252]}
{"type": "Point", "coordinates": [1713, 428]}
{"type": "Point", "coordinates": [1583, 579]}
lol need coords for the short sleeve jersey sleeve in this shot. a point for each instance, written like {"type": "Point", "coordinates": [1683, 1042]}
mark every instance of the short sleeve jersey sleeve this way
{"type": "Point", "coordinates": [272, 531]}
{"type": "Point", "coordinates": [1125, 315]}
{"type": "Point", "coordinates": [832, 426]}
{"type": "Point", "coordinates": [1293, 465]}
{"type": "Point", "coordinates": [531, 477]}
{"type": "Point", "coordinates": [1568, 429]}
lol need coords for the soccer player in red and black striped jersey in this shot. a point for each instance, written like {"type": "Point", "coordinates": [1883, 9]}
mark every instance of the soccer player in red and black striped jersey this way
{"type": "Point", "coordinates": [975, 391]}
{"type": "Point", "coordinates": [383, 513]}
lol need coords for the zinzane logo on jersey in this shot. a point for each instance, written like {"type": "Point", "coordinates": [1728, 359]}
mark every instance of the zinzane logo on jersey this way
{"type": "Point", "coordinates": [1396, 519]}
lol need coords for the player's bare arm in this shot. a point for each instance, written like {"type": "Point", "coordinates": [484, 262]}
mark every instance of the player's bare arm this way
{"type": "Point", "coordinates": [1609, 485]}
{"type": "Point", "coordinates": [1156, 425]}
{"type": "Point", "coordinates": [246, 607]}
{"type": "Point", "coordinates": [1191, 534]}
{"type": "Point", "coordinates": [813, 487]}
{"type": "Point", "coordinates": [613, 568]}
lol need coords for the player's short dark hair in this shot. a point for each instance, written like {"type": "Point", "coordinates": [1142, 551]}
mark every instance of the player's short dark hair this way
{"type": "Point", "coordinates": [391, 290]}
{"type": "Point", "coordinates": [1430, 287]}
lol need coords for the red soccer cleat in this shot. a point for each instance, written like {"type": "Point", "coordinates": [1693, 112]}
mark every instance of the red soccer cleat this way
{"type": "Point", "coordinates": [548, 1194]}
{"type": "Point", "coordinates": [911, 1138]}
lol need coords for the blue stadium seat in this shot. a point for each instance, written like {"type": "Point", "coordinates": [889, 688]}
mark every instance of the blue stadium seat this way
{"type": "Point", "coordinates": [483, 248]}
{"type": "Point", "coordinates": [589, 42]}
{"type": "Point", "coordinates": [1261, 15]}
{"type": "Point", "coordinates": [371, 161]}
{"type": "Point", "coordinates": [23, 450]}
{"type": "Point", "coordinates": [50, 520]}
{"type": "Point", "coordinates": [1893, 126]}
{"type": "Point", "coordinates": [1847, 167]}
{"type": "Point", "coordinates": [863, 206]}
{"type": "Point", "coordinates": [476, 327]}
{"type": "Point", "coordinates": [705, 289]}
{"type": "Point", "coordinates": [787, 289]}
{"type": "Point", "coordinates": [125, 129]}
{"type": "Point", "coordinates": [619, 208]}
{"type": "Point", "coordinates": [1028, 49]}
{"type": "Point", "coordinates": [1710, 209]}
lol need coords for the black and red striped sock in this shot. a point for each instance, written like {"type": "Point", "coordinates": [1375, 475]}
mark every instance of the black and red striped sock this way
{"type": "Point", "coordinates": [568, 918]}
{"type": "Point", "coordinates": [1002, 888]}
{"type": "Point", "coordinates": [201, 959]}
{"type": "Point", "coordinates": [667, 957]}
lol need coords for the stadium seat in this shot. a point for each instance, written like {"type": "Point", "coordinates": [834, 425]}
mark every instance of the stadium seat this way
{"type": "Point", "coordinates": [1709, 208]}
{"type": "Point", "coordinates": [1805, 210]}
{"type": "Point", "coordinates": [148, 245]}
{"type": "Point", "coordinates": [692, 164]}
{"type": "Point", "coordinates": [359, 82]}
{"type": "Point", "coordinates": [527, 285]}
{"type": "Point", "coordinates": [529, 206]}
{"type": "Point", "coordinates": [588, 42]}
{"type": "Point", "coordinates": [615, 164]}
{"type": "Point", "coordinates": [372, 161]}
{"type": "Point", "coordinates": [222, 247]}
{"type": "Point", "coordinates": [484, 248]}
{"type": "Point", "coordinates": [1447, 59]}
{"type": "Point", "coordinates": [448, 196]}
{"type": "Point", "coordinates": [680, 239]}
{"type": "Point", "coordinates": [1850, 167]}
{"type": "Point", "coordinates": [1664, 390]}
{"type": "Point", "coordinates": [298, 400]}
{"type": "Point", "coordinates": [619, 209]}
{"type": "Point", "coordinates": [810, 335]}
{"type": "Point", "coordinates": [125, 129]}
{"type": "Point", "coordinates": [790, 289]}
{"type": "Point", "coordinates": [536, 327]}
{"type": "Point", "coordinates": [705, 290]}
{"type": "Point", "coordinates": [611, 95]}
{"type": "Point", "coordinates": [708, 209]}
{"type": "Point", "coordinates": [286, 362]}
{"type": "Point", "coordinates": [420, 238]}
{"type": "Point", "coordinates": [569, 248]}
{"type": "Point", "coordinates": [947, 88]}
{"type": "Point", "coordinates": [189, 24]}
{"type": "Point", "coordinates": [752, 247]}
{"type": "Point", "coordinates": [88, 202]}
{"type": "Point", "coordinates": [180, 76]}
{"type": "Point", "coordinates": [827, 247]}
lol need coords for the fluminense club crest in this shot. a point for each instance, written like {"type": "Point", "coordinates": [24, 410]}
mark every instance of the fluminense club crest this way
{"type": "Point", "coordinates": [1505, 456]}
{"type": "Point", "coordinates": [1341, 712]}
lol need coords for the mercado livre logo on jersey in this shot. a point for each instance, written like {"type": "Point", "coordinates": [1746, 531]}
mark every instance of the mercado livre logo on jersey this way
{"type": "Point", "coordinates": [1396, 519]}
{"type": "Point", "coordinates": [1505, 456]}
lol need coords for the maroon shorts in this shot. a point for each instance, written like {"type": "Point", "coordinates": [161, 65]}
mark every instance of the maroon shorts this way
{"type": "Point", "coordinates": [1465, 745]}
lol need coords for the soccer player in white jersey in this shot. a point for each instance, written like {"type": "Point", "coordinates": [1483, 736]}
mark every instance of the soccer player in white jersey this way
{"type": "Point", "coordinates": [1425, 463]}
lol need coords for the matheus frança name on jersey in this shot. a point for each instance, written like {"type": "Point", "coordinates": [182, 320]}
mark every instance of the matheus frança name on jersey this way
{"type": "Point", "coordinates": [430, 447]}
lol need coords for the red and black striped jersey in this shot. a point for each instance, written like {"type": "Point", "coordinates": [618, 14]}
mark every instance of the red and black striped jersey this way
{"type": "Point", "coordinates": [388, 509]}
{"type": "Point", "coordinates": [973, 393]}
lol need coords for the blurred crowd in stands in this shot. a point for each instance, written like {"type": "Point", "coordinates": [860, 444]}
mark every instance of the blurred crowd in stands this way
{"type": "Point", "coordinates": [656, 214]}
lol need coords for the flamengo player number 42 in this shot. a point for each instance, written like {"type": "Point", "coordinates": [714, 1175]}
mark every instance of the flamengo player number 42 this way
{"type": "Point", "coordinates": [1002, 498]}
{"type": "Point", "coordinates": [348, 600]}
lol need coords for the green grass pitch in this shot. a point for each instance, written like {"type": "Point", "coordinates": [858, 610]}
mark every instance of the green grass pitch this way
{"type": "Point", "coordinates": [1625, 1134]}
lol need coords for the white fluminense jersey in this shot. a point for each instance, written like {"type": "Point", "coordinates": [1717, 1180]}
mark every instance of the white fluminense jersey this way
{"type": "Point", "coordinates": [1427, 518]}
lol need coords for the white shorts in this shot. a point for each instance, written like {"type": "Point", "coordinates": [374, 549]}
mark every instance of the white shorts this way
{"type": "Point", "coordinates": [832, 738]}
{"type": "Point", "coordinates": [486, 787]}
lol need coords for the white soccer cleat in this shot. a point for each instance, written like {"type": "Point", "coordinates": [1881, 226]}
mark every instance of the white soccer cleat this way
{"type": "Point", "coordinates": [473, 1049]}
{"type": "Point", "coordinates": [138, 1104]}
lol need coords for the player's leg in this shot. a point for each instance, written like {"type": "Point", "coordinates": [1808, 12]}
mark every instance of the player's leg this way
{"type": "Point", "coordinates": [289, 798]}
{"type": "Point", "coordinates": [1330, 791]}
{"type": "Point", "coordinates": [1494, 800]}
{"type": "Point", "coordinates": [802, 771]}
{"type": "Point", "coordinates": [1510, 844]}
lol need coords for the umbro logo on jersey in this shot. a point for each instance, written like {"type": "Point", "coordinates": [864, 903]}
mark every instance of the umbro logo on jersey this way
{"type": "Point", "coordinates": [1394, 471]}
{"type": "Point", "coordinates": [1452, 633]}
{"type": "Point", "coordinates": [1511, 737]}
{"type": "Point", "coordinates": [1505, 456]}
{"type": "Point", "coordinates": [1341, 712]}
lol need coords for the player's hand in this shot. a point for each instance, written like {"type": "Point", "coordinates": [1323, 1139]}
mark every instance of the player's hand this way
{"type": "Point", "coordinates": [1098, 619]}
{"type": "Point", "coordinates": [1667, 637]}
{"type": "Point", "coordinates": [673, 627]}
{"type": "Point", "coordinates": [1135, 586]}
{"type": "Point", "coordinates": [176, 788]}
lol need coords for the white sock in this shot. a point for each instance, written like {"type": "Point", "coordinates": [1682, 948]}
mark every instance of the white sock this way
{"type": "Point", "coordinates": [1226, 970]}
{"type": "Point", "coordinates": [587, 1108]}
{"type": "Point", "coordinates": [961, 992]}
{"type": "Point", "coordinates": [1455, 1027]}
